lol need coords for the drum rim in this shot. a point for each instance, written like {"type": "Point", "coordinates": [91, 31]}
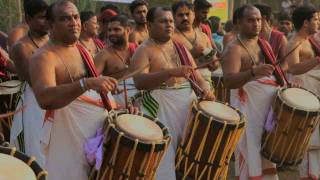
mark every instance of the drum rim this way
{"type": "Point", "coordinates": [296, 108]}
{"type": "Point", "coordinates": [242, 119]}
{"type": "Point", "coordinates": [145, 146]}
{"type": "Point", "coordinates": [144, 141]}
{"type": "Point", "coordinates": [39, 172]}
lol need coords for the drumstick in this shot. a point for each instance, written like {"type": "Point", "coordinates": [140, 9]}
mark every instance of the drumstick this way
{"type": "Point", "coordinates": [125, 94]}
{"type": "Point", "coordinates": [2, 116]}
{"type": "Point", "coordinates": [195, 85]}
{"type": "Point", "coordinates": [206, 64]}
{"type": "Point", "coordinates": [291, 51]}
{"type": "Point", "coordinates": [131, 74]}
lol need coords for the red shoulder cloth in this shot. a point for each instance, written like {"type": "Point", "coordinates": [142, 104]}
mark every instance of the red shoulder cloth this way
{"type": "Point", "coordinates": [99, 43]}
{"type": "Point", "coordinates": [183, 56]}
{"type": "Point", "coordinates": [132, 48]}
{"type": "Point", "coordinates": [315, 45]}
{"type": "Point", "coordinates": [275, 41]}
{"type": "Point", "coordinates": [271, 59]}
{"type": "Point", "coordinates": [207, 30]}
{"type": "Point", "coordinates": [88, 61]}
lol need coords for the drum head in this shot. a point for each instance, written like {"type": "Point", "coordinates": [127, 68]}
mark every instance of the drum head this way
{"type": "Point", "coordinates": [10, 87]}
{"type": "Point", "coordinates": [301, 99]}
{"type": "Point", "coordinates": [219, 111]}
{"type": "Point", "coordinates": [14, 169]}
{"type": "Point", "coordinates": [139, 127]}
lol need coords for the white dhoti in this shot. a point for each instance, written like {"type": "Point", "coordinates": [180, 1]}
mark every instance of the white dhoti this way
{"type": "Point", "coordinates": [29, 121]}
{"type": "Point", "coordinates": [310, 166]}
{"type": "Point", "coordinates": [131, 91]}
{"type": "Point", "coordinates": [173, 112]}
{"type": "Point", "coordinates": [254, 101]}
{"type": "Point", "coordinates": [64, 135]}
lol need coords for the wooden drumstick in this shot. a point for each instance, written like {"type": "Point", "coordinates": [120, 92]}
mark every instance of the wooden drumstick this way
{"type": "Point", "coordinates": [206, 64]}
{"type": "Point", "coordinates": [290, 52]}
{"type": "Point", "coordinates": [195, 85]}
{"type": "Point", "coordinates": [125, 94]}
{"type": "Point", "coordinates": [131, 74]}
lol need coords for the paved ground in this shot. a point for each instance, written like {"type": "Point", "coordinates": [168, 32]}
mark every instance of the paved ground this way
{"type": "Point", "coordinates": [290, 173]}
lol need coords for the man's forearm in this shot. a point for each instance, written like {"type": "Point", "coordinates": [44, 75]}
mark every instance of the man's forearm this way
{"type": "Point", "coordinates": [237, 80]}
{"type": "Point", "coordinates": [303, 67]}
{"type": "Point", "coordinates": [149, 81]}
{"type": "Point", "coordinates": [58, 96]}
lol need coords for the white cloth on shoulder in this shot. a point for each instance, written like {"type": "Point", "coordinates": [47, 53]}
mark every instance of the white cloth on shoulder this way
{"type": "Point", "coordinates": [254, 101]}
{"type": "Point", "coordinates": [30, 122]}
{"type": "Point", "coordinates": [64, 134]}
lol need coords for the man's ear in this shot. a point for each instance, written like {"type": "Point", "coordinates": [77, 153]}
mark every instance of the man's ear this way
{"type": "Point", "coordinates": [27, 18]}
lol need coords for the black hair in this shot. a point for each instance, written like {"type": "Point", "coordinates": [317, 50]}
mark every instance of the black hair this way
{"type": "Point", "coordinates": [122, 19]}
{"type": "Point", "coordinates": [301, 14]}
{"type": "Point", "coordinates": [86, 15]}
{"type": "Point", "coordinates": [50, 10]}
{"type": "Point", "coordinates": [214, 22]}
{"type": "Point", "coordinates": [241, 10]}
{"type": "Point", "coordinates": [265, 11]}
{"type": "Point", "coordinates": [284, 17]}
{"type": "Point", "coordinates": [181, 3]}
{"type": "Point", "coordinates": [151, 13]}
{"type": "Point", "coordinates": [110, 6]}
{"type": "Point", "coordinates": [235, 16]}
{"type": "Point", "coordinates": [136, 3]}
{"type": "Point", "coordinates": [33, 7]}
{"type": "Point", "coordinates": [228, 26]}
{"type": "Point", "coordinates": [201, 4]}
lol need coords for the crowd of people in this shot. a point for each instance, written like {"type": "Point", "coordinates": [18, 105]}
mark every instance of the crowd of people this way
{"type": "Point", "coordinates": [71, 62]}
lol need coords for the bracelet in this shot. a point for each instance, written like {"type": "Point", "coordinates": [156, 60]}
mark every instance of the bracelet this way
{"type": "Point", "coordinates": [82, 84]}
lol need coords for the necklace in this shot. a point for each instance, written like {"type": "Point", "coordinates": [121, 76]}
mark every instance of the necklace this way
{"type": "Point", "coordinates": [32, 40]}
{"type": "Point", "coordinates": [254, 61]}
{"type": "Point", "coordinates": [177, 60]}
{"type": "Point", "coordinates": [191, 41]}
{"type": "Point", "coordinates": [121, 58]}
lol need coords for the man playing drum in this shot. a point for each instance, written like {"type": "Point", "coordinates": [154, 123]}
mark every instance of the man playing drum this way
{"type": "Point", "coordinates": [139, 9]}
{"type": "Point", "coordinates": [167, 93]}
{"type": "Point", "coordinates": [61, 76]}
{"type": "Point", "coordinates": [304, 66]}
{"type": "Point", "coordinates": [89, 32]}
{"type": "Point", "coordinates": [193, 39]}
{"type": "Point", "coordinates": [27, 124]}
{"type": "Point", "coordinates": [114, 60]}
{"type": "Point", "coordinates": [247, 70]}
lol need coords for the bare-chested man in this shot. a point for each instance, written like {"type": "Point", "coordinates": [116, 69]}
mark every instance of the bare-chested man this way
{"type": "Point", "coordinates": [17, 33]}
{"type": "Point", "coordinates": [254, 82]}
{"type": "Point", "coordinates": [201, 10]}
{"type": "Point", "coordinates": [193, 39]}
{"type": "Point", "coordinates": [28, 123]}
{"type": "Point", "coordinates": [304, 65]}
{"type": "Point", "coordinates": [139, 9]}
{"type": "Point", "coordinates": [114, 60]}
{"type": "Point", "coordinates": [61, 76]}
{"type": "Point", "coordinates": [167, 93]}
{"type": "Point", "coordinates": [276, 39]}
{"type": "Point", "coordinates": [89, 32]}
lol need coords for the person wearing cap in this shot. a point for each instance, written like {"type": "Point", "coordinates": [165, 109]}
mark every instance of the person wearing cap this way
{"type": "Point", "coordinates": [89, 32]}
{"type": "Point", "coordinates": [104, 18]}
{"type": "Point", "coordinates": [139, 9]}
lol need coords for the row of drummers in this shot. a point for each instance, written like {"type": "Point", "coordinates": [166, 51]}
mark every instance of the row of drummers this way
{"type": "Point", "coordinates": [210, 138]}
